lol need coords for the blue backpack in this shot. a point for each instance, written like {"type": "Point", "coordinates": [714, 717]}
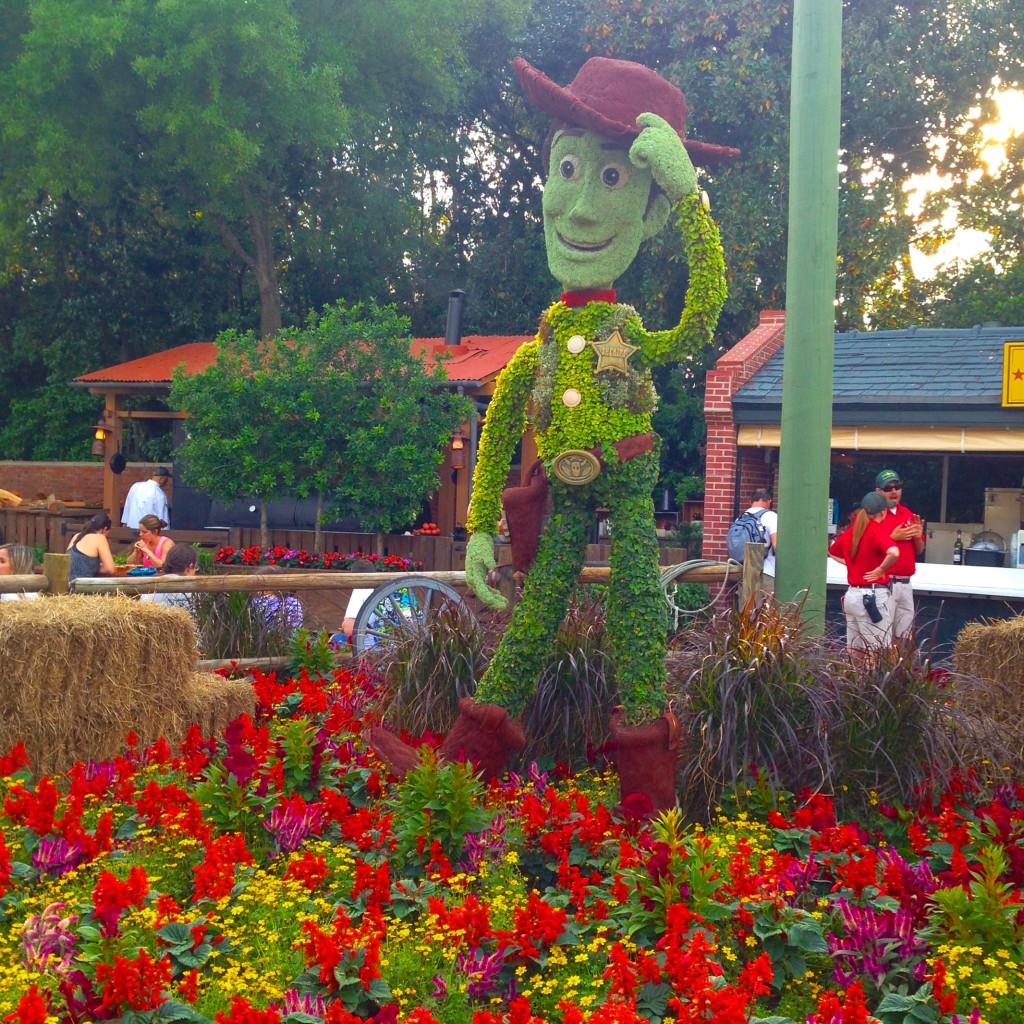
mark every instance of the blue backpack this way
{"type": "Point", "coordinates": [747, 529]}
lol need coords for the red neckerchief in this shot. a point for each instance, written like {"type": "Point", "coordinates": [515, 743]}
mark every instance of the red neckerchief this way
{"type": "Point", "coordinates": [581, 298]}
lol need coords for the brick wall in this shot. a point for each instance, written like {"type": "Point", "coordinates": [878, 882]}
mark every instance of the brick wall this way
{"type": "Point", "coordinates": [722, 501]}
{"type": "Point", "coordinates": [68, 481]}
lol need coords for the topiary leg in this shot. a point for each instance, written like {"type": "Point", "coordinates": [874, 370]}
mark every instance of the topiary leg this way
{"type": "Point", "coordinates": [637, 624]}
{"type": "Point", "coordinates": [512, 675]}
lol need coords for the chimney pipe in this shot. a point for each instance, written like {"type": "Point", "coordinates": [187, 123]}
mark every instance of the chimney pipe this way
{"type": "Point", "coordinates": [453, 326]}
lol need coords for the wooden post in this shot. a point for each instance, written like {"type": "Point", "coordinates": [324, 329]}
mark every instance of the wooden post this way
{"type": "Point", "coordinates": [753, 571]}
{"type": "Point", "coordinates": [56, 569]}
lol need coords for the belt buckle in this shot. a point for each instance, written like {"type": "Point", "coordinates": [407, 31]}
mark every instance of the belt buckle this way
{"type": "Point", "coordinates": [576, 467]}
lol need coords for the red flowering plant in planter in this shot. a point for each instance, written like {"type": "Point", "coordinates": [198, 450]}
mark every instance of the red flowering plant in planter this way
{"type": "Point", "coordinates": [290, 558]}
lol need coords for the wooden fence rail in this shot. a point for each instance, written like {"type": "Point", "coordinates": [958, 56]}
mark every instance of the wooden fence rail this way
{"type": "Point", "coordinates": [257, 582]}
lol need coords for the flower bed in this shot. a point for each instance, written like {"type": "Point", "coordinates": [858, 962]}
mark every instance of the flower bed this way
{"type": "Point", "coordinates": [288, 558]}
{"type": "Point", "coordinates": [274, 874]}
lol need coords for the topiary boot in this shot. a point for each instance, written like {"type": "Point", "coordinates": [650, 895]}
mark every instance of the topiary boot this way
{"type": "Point", "coordinates": [483, 734]}
{"type": "Point", "coordinates": [646, 759]}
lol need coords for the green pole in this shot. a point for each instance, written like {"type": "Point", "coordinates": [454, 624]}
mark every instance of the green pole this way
{"type": "Point", "coordinates": [810, 306]}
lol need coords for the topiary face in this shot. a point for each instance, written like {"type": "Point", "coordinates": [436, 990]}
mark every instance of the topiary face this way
{"type": "Point", "coordinates": [595, 203]}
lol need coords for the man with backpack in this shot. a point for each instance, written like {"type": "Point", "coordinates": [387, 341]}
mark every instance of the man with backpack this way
{"type": "Point", "coordinates": [757, 525]}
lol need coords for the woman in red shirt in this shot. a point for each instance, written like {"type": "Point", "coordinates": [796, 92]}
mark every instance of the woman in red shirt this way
{"type": "Point", "coordinates": [868, 552]}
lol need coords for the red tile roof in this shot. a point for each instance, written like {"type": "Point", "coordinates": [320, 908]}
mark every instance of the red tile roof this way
{"type": "Point", "coordinates": [478, 358]}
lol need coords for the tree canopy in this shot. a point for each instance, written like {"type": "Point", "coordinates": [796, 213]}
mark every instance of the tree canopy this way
{"type": "Point", "coordinates": [170, 170]}
{"type": "Point", "coordinates": [340, 408]}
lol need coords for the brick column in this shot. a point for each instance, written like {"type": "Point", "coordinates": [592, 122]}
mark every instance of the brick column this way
{"type": "Point", "coordinates": [731, 372]}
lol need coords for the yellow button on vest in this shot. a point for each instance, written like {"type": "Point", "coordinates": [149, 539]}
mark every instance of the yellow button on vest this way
{"type": "Point", "coordinates": [576, 344]}
{"type": "Point", "coordinates": [571, 398]}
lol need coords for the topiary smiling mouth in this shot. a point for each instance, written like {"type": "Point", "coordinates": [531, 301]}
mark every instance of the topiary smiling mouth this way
{"type": "Point", "coordinates": [584, 246]}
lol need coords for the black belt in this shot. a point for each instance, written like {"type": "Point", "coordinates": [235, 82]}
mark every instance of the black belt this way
{"type": "Point", "coordinates": [900, 579]}
{"type": "Point", "coordinates": [871, 586]}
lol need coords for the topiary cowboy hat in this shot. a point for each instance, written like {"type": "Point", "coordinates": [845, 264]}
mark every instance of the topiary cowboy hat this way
{"type": "Point", "coordinates": [608, 95]}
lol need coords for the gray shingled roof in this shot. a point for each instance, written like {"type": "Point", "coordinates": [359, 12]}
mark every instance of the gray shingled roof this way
{"type": "Point", "coordinates": [916, 375]}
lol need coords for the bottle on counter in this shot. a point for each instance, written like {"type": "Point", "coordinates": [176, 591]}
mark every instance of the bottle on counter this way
{"type": "Point", "coordinates": [958, 548]}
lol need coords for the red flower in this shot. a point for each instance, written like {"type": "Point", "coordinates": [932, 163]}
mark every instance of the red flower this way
{"type": "Point", "coordinates": [851, 1008]}
{"type": "Point", "coordinates": [311, 870]}
{"type": "Point", "coordinates": [34, 809]}
{"type": "Point", "coordinates": [857, 874]}
{"type": "Point", "coordinates": [133, 984]}
{"type": "Point", "coordinates": [243, 1012]}
{"type": "Point", "coordinates": [110, 896]}
{"type": "Point", "coordinates": [15, 759]}
{"type": "Point", "coordinates": [538, 924]}
{"type": "Point", "coordinates": [215, 876]}
{"type": "Point", "coordinates": [31, 1009]}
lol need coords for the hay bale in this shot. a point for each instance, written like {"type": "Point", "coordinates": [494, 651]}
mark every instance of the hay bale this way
{"type": "Point", "coordinates": [988, 660]}
{"type": "Point", "coordinates": [80, 672]}
{"type": "Point", "coordinates": [211, 702]}
{"type": "Point", "coordinates": [992, 650]}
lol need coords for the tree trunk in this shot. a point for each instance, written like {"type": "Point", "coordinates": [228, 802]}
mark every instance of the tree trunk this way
{"type": "Point", "coordinates": [318, 529]}
{"type": "Point", "coordinates": [264, 531]}
{"type": "Point", "coordinates": [261, 260]}
{"type": "Point", "coordinates": [378, 543]}
{"type": "Point", "coordinates": [264, 265]}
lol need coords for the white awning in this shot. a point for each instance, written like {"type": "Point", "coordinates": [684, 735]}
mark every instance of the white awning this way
{"type": "Point", "coordinates": [956, 440]}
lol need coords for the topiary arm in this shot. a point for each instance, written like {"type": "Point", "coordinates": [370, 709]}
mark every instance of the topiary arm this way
{"type": "Point", "coordinates": [503, 427]}
{"type": "Point", "coordinates": [705, 294]}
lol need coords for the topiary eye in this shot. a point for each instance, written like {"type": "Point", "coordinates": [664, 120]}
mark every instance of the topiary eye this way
{"type": "Point", "coordinates": [615, 176]}
{"type": "Point", "coordinates": [569, 167]}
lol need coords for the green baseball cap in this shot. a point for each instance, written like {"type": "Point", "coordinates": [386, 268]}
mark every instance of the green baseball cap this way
{"type": "Point", "coordinates": [887, 476]}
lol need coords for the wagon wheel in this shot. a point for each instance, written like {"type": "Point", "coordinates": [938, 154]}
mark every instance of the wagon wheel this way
{"type": "Point", "coordinates": [670, 580]}
{"type": "Point", "coordinates": [402, 606]}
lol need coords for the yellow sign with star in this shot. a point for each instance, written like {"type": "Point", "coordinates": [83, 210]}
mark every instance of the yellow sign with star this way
{"type": "Point", "coordinates": [1013, 373]}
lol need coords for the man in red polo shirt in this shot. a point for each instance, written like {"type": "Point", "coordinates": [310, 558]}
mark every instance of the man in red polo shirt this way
{"type": "Point", "coordinates": [907, 530]}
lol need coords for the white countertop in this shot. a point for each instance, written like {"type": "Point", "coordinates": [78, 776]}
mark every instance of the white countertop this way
{"type": "Point", "coordinates": [966, 580]}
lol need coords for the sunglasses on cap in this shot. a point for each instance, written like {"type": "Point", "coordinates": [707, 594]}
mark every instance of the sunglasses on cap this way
{"type": "Point", "coordinates": [889, 488]}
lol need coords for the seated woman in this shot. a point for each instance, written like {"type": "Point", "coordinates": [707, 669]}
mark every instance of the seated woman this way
{"type": "Point", "coordinates": [868, 553]}
{"type": "Point", "coordinates": [181, 560]}
{"type": "Point", "coordinates": [17, 560]}
{"type": "Point", "coordinates": [90, 550]}
{"type": "Point", "coordinates": [152, 547]}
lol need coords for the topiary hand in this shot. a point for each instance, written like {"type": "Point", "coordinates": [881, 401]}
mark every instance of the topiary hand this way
{"type": "Point", "coordinates": [659, 148]}
{"type": "Point", "coordinates": [479, 561]}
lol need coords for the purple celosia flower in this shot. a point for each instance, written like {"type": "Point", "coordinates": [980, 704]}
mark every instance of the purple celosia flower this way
{"type": "Point", "coordinates": [876, 943]}
{"type": "Point", "coordinates": [105, 770]}
{"type": "Point", "coordinates": [56, 856]}
{"type": "Point", "coordinates": [534, 777]}
{"type": "Point", "coordinates": [799, 875]}
{"type": "Point", "coordinates": [289, 823]}
{"type": "Point", "coordinates": [238, 760]}
{"type": "Point", "coordinates": [484, 847]}
{"type": "Point", "coordinates": [305, 1002]}
{"type": "Point", "coordinates": [481, 970]}
{"type": "Point", "coordinates": [48, 941]}
{"type": "Point", "coordinates": [974, 1018]}
{"type": "Point", "coordinates": [440, 987]}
